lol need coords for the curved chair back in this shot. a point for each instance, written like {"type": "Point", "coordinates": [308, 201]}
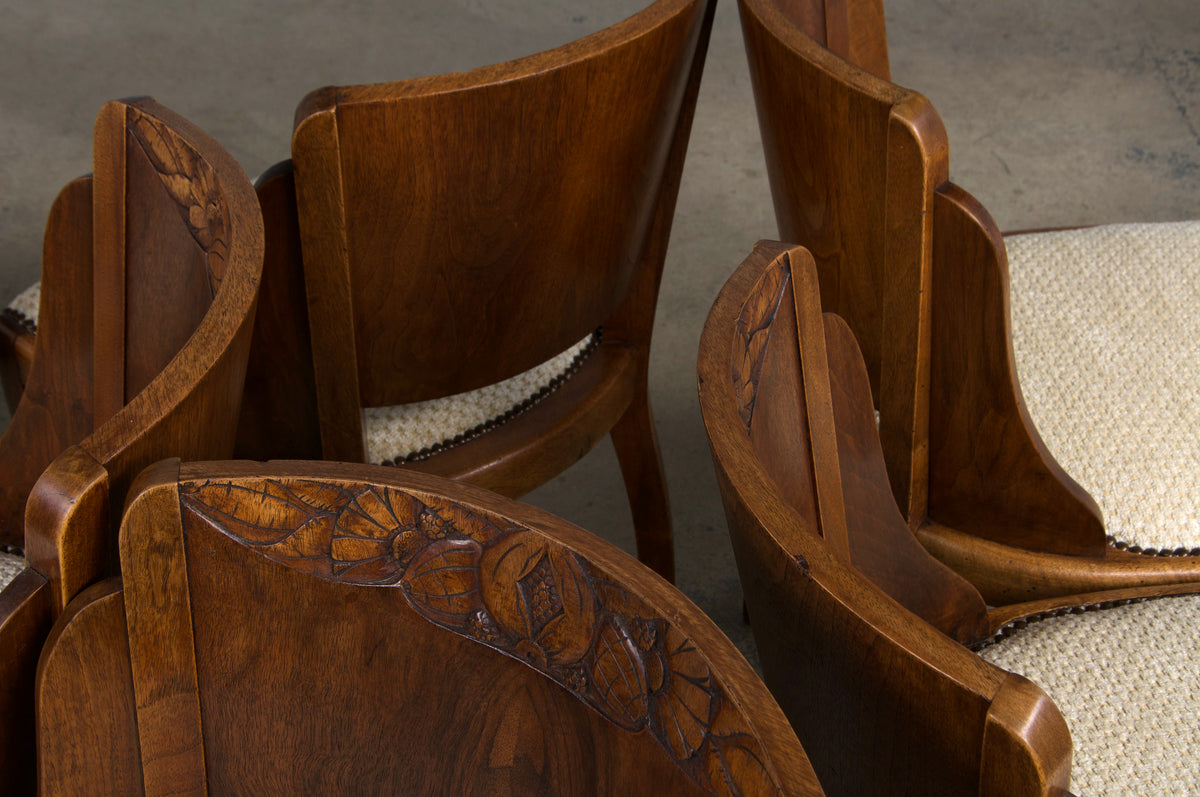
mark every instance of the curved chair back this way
{"type": "Point", "coordinates": [335, 628]}
{"type": "Point", "coordinates": [855, 623]}
{"type": "Point", "coordinates": [460, 229]}
{"type": "Point", "coordinates": [152, 263]}
{"type": "Point", "coordinates": [859, 174]}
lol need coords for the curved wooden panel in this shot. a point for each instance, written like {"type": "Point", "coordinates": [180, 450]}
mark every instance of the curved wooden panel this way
{"type": "Point", "coordinates": [990, 474]}
{"type": "Point", "coordinates": [26, 612]}
{"type": "Point", "coordinates": [351, 625]}
{"type": "Point", "coordinates": [55, 410]}
{"type": "Point", "coordinates": [190, 408]}
{"type": "Point", "coordinates": [87, 734]}
{"type": "Point", "coordinates": [506, 215]}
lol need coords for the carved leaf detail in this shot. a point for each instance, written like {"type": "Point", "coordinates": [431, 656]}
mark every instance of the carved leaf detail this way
{"type": "Point", "coordinates": [751, 337]}
{"type": "Point", "coordinates": [442, 517]}
{"type": "Point", "coordinates": [192, 183]}
{"type": "Point", "coordinates": [271, 518]}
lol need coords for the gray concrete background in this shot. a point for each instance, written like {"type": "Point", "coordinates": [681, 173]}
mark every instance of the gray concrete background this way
{"type": "Point", "coordinates": [1058, 114]}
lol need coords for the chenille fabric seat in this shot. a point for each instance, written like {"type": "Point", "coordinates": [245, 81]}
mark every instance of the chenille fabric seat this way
{"type": "Point", "coordinates": [413, 432]}
{"type": "Point", "coordinates": [18, 328]}
{"type": "Point", "coordinates": [1106, 333]}
{"type": "Point", "coordinates": [25, 305]}
{"type": "Point", "coordinates": [10, 565]}
{"type": "Point", "coordinates": [1124, 678]}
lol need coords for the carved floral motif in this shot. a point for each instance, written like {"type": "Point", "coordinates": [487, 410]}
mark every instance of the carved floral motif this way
{"type": "Point", "coordinates": [511, 588]}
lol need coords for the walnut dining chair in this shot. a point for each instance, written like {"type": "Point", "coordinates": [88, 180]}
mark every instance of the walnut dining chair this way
{"type": "Point", "coordinates": [897, 676]}
{"type": "Point", "coordinates": [481, 256]}
{"type": "Point", "coordinates": [149, 281]}
{"type": "Point", "coordinates": [316, 627]}
{"type": "Point", "coordinates": [858, 168]}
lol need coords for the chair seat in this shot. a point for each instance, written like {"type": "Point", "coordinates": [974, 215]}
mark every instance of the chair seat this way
{"type": "Point", "coordinates": [411, 432]}
{"type": "Point", "coordinates": [1125, 681]}
{"type": "Point", "coordinates": [25, 306]}
{"type": "Point", "coordinates": [1105, 328]}
{"type": "Point", "coordinates": [10, 565]}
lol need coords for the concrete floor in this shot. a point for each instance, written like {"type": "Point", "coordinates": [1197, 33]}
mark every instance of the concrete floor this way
{"type": "Point", "coordinates": [1058, 114]}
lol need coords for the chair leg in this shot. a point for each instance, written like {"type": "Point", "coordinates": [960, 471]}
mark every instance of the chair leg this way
{"type": "Point", "coordinates": [636, 443]}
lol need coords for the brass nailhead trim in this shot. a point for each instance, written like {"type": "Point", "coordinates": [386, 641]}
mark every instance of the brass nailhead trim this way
{"type": "Point", "coordinates": [1125, 546]}
{"type": "Point", "coordinates": [524, 406]}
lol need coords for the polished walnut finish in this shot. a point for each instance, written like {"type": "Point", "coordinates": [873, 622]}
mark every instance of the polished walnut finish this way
{"type": "Point", "coordinates": [333, 628]}
{"type": "Point", "coordinates": [863, 634]}
{"type": "Point", "coordinates": [859, 175]}
{"type": "Point", "coordinates": [457, 230]}
{"type": "Point", "coordinates": [149, 283]}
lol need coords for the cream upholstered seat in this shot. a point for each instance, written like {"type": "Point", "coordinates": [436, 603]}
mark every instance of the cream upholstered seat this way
{"type": "Point", "coordinates": [25, 306]}
{"type": "Point", "coordinates": [1106, 324]}
{"type": "Point", "coordinates": [412, 432]}
{"type": "Point", "coordinates": [1125, 679]}
{"type": "Point", "coordinates": [10, 565]}
{"type": "Point", "coordinates": [18, 325]}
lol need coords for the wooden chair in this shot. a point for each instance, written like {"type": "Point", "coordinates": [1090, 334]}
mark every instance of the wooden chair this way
{"type": "Point", "coordinates": [149, 282]}
{"type": "Point", "coordinates": [18, 330]}
{"type": "Point", "coordinates": [457, 231]}
{"type": "Point", "coordinates": [864, 637]}
{"type": "Point", "coordinates": [332, 628]}
{"type": "Point", "coordinates": [858, 169]}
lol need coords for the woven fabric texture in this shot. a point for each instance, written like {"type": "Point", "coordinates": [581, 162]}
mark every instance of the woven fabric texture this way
{"type": "Point", "coordinates": [404, 429]}
{"type": "Point", "coordinates": [1106, 333]}
{"type": "Point", "coordinates": [10, 566]}
{"type": "Point", "coordinates": [26, 302]}
{"type": "Point", "coordinates": [1126, 680]}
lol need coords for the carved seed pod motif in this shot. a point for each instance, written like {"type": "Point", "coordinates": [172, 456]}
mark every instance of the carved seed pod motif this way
{"type": "Point", "coordinates": [442, 583]}
{"type": "Point", "coordinates": [618, 675]}
{"type": "Point", "coordinates": [540, 596]}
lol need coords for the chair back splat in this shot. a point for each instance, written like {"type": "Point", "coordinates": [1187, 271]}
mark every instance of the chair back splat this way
{"type": "Point", "coordinates": [460, 231]}
{"type": "Point", "coordinates": [328, 628]}
{"type": "Point", "coordinates": [149, 282]}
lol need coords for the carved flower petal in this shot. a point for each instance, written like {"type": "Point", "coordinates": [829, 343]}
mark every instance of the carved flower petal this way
{"type": "Point", "coordinates": [370, 572]}
{"type": "Point", "coordinates": [376, 514]}
{"type": "Point", "coordinates": [684, 708]}
{"type": "Point", "coordinates": [457, 520]}
{"type": "Point", "coordinates": [736, 766]}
